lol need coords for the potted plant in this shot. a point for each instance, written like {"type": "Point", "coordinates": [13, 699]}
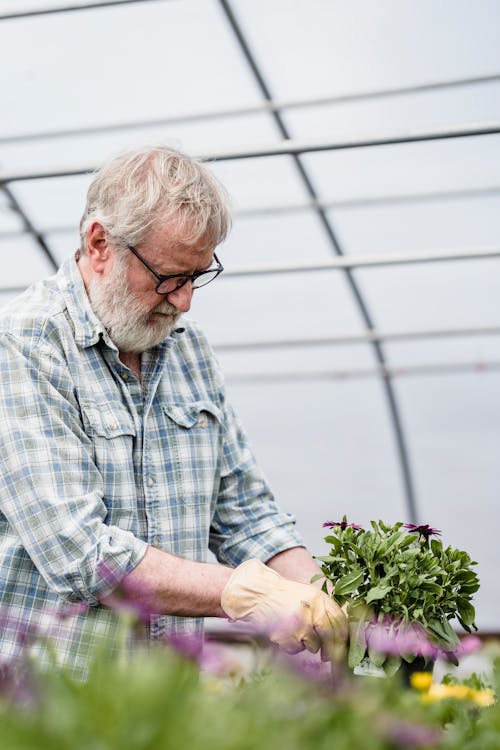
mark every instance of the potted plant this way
{"type": "Point", "coordinates": [401, 590]}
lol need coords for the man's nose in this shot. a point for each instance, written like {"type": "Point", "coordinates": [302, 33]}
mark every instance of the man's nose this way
{"type": "Point", "coordinates": [181, 297]}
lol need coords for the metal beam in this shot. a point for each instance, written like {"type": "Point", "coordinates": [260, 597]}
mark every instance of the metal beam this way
{"type": "Point", "coordinates": [371, 201]}
{"type": "Point", "coordinates": [289, 147]}
{"type": "Point", "coordinates": [295, 148]}
{"type": "Point", "coordinates": [350, 262]}
{"type": "Point", "coordinates": [386, 373]}
{"type": "Point", "coordinates": [28, 226]}
{"type": "Point", "coordinates": [265, 107]}
{"type": "Point", "coordinates": [360, 338]}
{"type": "Point", "coordinates": [345, 262]}
{"type": "Point", "coordinates": [68, 9]}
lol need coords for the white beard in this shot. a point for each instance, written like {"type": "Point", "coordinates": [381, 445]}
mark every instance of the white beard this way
{"type": "Point", "coordinates": [131, 325]}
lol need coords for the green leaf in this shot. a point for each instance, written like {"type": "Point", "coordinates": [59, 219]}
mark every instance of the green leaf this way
{"type": "Point", "coordinates": [392, 665]}
{"type": "Point", "coordinates": [317, 577]}
{"type": "Point", "coordinates": [349, 583]}
{"type": "Point", "coordinates": [357, 642]}
{"type": "Point", "coordinates": [443, 631]}
{"type": "Point", "coordinates": [377, 592]}
{"type": "Point", "coordinates": [466, 611]}
{"type": "Point", "coordinates": [376, 657]}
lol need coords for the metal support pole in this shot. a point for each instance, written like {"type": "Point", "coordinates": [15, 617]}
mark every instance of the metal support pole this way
{"type": "Point", "coordinates": [68, 8]}
{"type": "Point", "coordinates": [28, 226]}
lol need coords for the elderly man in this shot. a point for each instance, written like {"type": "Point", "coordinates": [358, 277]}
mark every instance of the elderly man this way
{"type": "Point", "coordinates": [122, 460]}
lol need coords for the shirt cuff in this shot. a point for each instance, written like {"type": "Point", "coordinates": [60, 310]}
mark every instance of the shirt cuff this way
{"type": "Point", "coordinates": [267, 540]}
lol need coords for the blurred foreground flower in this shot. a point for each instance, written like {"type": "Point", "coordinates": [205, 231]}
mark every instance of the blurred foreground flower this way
{"type": "Point", "coordinates": [431, 692]}
{"type": "Point", "coordinates": [405, 734]}
{"type": "Point", "coordinates": [399, 638]}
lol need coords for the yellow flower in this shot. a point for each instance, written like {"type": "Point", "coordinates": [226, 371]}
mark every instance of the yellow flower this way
{"type": "Point", "coordinates": [421, 681]}
{"type": "Point", "coordinates": [484, 697]}
{"type": "Point", "coordinates": [459, 692]}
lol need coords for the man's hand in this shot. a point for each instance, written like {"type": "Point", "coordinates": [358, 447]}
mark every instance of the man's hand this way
{"type": "Point", "coordinates": [294, 615]}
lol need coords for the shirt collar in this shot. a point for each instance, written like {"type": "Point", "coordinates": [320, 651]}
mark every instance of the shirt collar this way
{"type": "Point", "coordinates": [87, 327]}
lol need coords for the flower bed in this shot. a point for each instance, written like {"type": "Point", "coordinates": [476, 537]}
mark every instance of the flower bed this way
{"type": "Point", "coordinates": [155, 699]}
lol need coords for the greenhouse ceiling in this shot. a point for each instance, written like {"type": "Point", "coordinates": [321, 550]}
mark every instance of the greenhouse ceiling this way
{"type": "Point", "coordinates": [358, 319]}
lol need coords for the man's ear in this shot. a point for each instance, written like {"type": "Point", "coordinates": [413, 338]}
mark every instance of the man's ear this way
{"type": "Point", "coordinates": [98, 249]}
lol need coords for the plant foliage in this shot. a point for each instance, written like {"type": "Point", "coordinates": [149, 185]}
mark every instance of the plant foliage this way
{"type": "Point", "coordinates": [389, 574]}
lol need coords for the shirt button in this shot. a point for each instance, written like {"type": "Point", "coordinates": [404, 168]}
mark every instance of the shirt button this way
{"type": "Point", "coordinates": [155, 542]}
{"type": "Point", "coordinates": [112, 425]}
{"type": "Point", "coordinates": [125, 375]}
{"type": "Point", "coordinates": [151, 482]}
{"type": "Point", "coordinates": [202, 422]}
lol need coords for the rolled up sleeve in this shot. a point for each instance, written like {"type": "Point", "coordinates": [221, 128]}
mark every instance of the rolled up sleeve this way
{"type": "Point", "coordinates": [247, 522]}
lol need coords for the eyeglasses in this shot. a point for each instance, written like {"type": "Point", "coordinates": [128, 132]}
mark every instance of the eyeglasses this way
{"type": "Point", "coordinates": [171, 282]}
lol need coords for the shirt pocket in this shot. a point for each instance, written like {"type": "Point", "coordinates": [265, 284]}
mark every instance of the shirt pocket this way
{"type": "Point", "coordinates": [113, 434]}
{"type": "Point", "coordinates": [193, 447]}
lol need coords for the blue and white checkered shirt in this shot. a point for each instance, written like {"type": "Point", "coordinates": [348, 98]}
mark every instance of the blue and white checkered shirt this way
{"type": "Point", "coordinates": [96, 466]}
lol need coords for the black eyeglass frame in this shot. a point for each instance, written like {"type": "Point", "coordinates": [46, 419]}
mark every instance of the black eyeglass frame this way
{"type": "Point", "coordinates": [183, 278]}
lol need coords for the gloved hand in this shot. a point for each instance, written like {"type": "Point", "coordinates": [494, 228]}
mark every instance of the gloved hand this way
{"type": "Point", "coordinates": [293, 615]}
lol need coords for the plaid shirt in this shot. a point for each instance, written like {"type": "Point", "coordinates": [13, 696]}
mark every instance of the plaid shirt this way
{"type": "Point", "coordinates": [96, 466]}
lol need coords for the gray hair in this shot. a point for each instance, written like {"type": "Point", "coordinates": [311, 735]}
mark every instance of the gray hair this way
{"type": "Point", "coordinates": [132, 191]}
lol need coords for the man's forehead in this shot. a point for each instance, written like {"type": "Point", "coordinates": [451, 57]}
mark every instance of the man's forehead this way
{"type": "Point", "coordinates": [172, 249]}
{"type": "Point", "coordinates": [175, 233]}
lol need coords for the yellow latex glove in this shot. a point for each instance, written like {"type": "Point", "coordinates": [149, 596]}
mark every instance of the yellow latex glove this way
{"type": "Point", "coordinates": [296, 616]}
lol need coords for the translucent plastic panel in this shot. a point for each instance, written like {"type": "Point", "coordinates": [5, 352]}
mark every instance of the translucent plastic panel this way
{"type": "Point", "coordinates": [295, 363]}
{"type": "Point", "coordinates": [280, 307]}
{"type": "Point", "coordinates": [408, 168]}
{"type": "Point", "coordinates": [453, 429]}
{"type": "Point", "coordinates": [331, 46]}
{"type": "Point", "coordinates": [52, 203]}
{"type": "Point", "coordinates": [261, 183]}
{"type": "Point", "coordinates": [284, 239]}
{"type": "Point", "coordinates": [434, 295]}
{"type": "Point", "coordinates": [22, 262]}
{"type": "Point", "coordinates": [63, 244]}
{"type": "Point", "coordinates": [112, 64]}
{"type": "Point", "coordinates": [473, 350]}
{"type": "Point", "coordinates": [440, 226]}
{"type": "Point", "coordinates": [403, 113]}
{"type": "Point", "coordinates": [327, 449]}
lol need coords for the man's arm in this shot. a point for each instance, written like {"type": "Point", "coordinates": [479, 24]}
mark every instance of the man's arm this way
{"type": "Point", "coordinates": [170, 585]}
{"type": "Point", "coordinates": [295, 563]}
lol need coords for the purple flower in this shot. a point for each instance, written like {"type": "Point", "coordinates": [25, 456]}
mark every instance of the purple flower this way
{"type": "Point", "coordinates": [394, 638]}
{"type": "Point", "coordinates": [397, 638]}
{"type": "Point", "coordinates": [468, 645]}
{"type": "Point", "coordinates": [210, 657]}
{"type": "Point", "coordinates": [343, 525]}
{"type": "Point", "coordinates": [17, 682]}
{"type": "Point", "coordinates": [423, 530]}
{"type": "Point", "coordinates": [404, 734]}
